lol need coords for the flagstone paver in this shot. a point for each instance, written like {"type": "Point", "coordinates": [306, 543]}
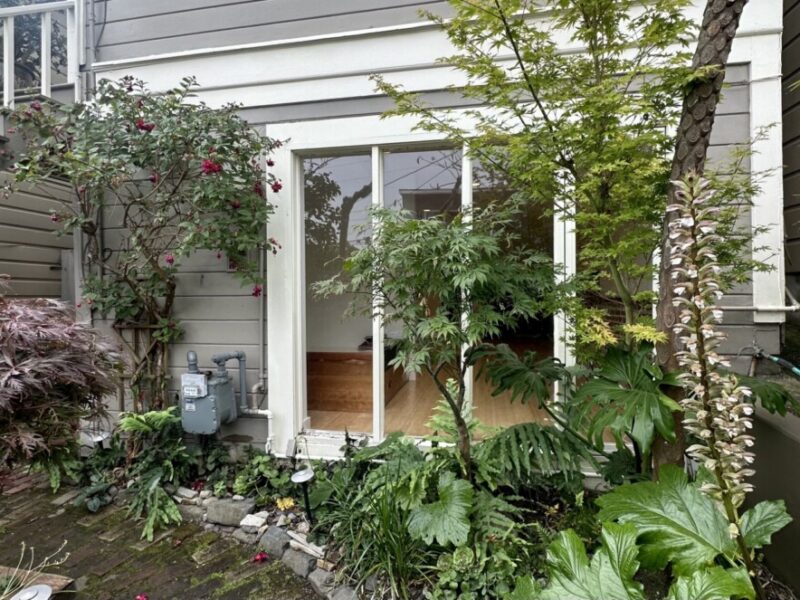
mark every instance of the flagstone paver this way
{"type": "Point", "coordinates": [108, 560]}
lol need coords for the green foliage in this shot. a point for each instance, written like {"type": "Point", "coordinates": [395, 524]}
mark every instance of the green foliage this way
{"type": "Point", "coordinates": [760, 522]}
{"type": "Point", "coordinates": [585, 133]}
{"type": "Point", "coordinates": [677, 523]}
{"type": "Point", "coordinates": [263, 477]}
{"type": "Point", "coordinates": [444, 520]}
{"type": "Point", "coordinates": [426, 275]}
{"type": "Point", "coordinates": [522, 452]}
{"type": "Point", "coordinates": [607, 576]}
{"type": "Point", "coordinates": [624, 397]}
{"type": "Point", "coordinates": [772, 396]}
{"type": "Point", "coordinates": [176, 175]}
{"type": "Point", "coordinates": [714, 583]}
{"type": "Point", "coordinates": [156, 456]}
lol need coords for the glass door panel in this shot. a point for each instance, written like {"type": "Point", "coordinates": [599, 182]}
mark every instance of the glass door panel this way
{"type": "Point", "coordinates": [427, 184]}
{"type": "Point", "coordinates": [337, 196]}
{"type": "Point", "coordinates": [533, 230]}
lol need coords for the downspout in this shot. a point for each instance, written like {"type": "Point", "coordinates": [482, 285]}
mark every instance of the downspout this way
{"type": "Point", "coordinates": [261, 386]}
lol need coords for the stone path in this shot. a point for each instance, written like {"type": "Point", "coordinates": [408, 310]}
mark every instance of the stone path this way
{"type": "Point", "coordinates": [108, 560]}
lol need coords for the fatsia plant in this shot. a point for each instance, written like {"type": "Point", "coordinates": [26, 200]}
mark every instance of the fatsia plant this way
{"type": "Point", "coordinates": [54, 373]}
{"type": "Point", "coordinates": [156, 177]}
{"type": "Point", "coordinates": [448, 287]}
{"type": "Point", "coordinates": [625, 398]}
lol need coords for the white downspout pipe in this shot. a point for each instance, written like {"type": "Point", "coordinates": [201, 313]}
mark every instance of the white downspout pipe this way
{"type": "Point", "coordinates": [261, 386]}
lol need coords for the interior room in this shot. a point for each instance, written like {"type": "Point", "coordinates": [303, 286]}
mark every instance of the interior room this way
{"type": "Point", "coordinates": [339, 346]}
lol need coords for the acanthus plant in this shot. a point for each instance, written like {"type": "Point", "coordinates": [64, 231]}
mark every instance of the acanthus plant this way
{"type": "Point", "coordinates": [156, 177]}
{"type": "Point", "coordinates": [718, 410]}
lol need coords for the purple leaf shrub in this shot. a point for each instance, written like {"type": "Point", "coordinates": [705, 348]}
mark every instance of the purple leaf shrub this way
{"type": "Point", "coordinates": [53, 373]}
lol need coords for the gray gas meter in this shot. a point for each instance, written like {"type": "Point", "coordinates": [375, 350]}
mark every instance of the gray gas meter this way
{"type": "Point", "coordinates": [208, 399]}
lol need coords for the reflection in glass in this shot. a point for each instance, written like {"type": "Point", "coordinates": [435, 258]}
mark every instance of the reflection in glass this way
{"type": "Point", "coordinates": [532, 230]}
{"type": "Point", "coordinates": [427, 184]}
{"type": "Point", "coordinates": [337, 198]}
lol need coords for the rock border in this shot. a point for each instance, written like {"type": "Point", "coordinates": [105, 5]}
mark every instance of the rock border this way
{"type": "Point", "coordinates": [281, 534]}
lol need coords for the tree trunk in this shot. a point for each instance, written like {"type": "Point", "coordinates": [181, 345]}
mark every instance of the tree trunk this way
{"type": "Point", "coordinates": [720, 22]}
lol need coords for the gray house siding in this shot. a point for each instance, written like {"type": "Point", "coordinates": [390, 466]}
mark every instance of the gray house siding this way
{"type": "Point", "coordinates": [30, 250]}
{"type": "Point", "coordinates": [791, 137]}
{"type": "Point", "coordinates": [126, 29]}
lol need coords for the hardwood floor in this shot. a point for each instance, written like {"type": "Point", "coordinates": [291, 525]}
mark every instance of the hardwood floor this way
{"type": "Point", "coordinates": [413, 405]}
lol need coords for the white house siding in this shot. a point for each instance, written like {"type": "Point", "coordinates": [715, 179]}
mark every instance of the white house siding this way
{"type": "Point", "coordinates": [30, 250]}
{"type": "Point", "coordinates": [313, 68]}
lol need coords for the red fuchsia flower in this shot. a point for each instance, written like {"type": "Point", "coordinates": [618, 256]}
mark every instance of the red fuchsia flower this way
{"type": "Point", "coordinates": [198, 485]}
{"type": "Point", "coordinates": [257, 290]}
{"type": "Point", "coordinates": [140, 103]}
{"type": "Point", "coordinates": [142, 597]}
{"type": "Point", "coordinates": [36, 105]}
{"type": "Point", "coordinates": [236, 205]}
{"type": "Point", "coordinates": [260, 557]}
{"type": "Point", "coordinates": [142, 125]}
{"type": "Point", "coordinates": [169, 259]}
{"type": "Point", "coordinates": [277, 187]}
{"type": "Point", "coordinates": [270, 162]}
{"type": "Point", "coordinates": [55, 218]}
{"type": "Point", "coordinates": [219, 255]}
{"type": "Point", "coordinates": [209, 166]}
{"type": "Point", "coordinates": [154, 178]}
{"type": "Point", "coordinates": [258, 189]}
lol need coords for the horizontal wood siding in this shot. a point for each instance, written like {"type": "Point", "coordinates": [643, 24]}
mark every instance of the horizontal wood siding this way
{"type": "Point", "coordinates": [791, 133]}
{"type": "Point", "coordinates": [128, 28]}
{"type": "Point", "coordinates": [30, 249]}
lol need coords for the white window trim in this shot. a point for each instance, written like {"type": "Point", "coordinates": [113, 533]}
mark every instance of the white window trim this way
{"type": "Point", "coordinates": [286, 279]}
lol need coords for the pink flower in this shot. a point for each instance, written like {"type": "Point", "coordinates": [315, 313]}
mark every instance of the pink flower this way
{"type": "Point", "coordinates": [236, 205]}
{"type": "Point", "coordinates": [208, 166]}
{"type": "Point", "coordinates": [36, 105]}
{"type": "Point", "coordinates": [55, 218]}
{"type": "Point", "coordinates": [141, 125]}
{"type": "Point", "coordinates": [257, 290]}
{"type": "Point", "coordinates": [270, 162]}
{"type": "Point", "coordinates": [142, 597]}
{"type": "Point", "coordinates": [277, 187]}
{"type": "Point", "coordinates": [169, 259]}
{"type": "Point", "coordinates": [258, 189]}
{"type": "Point", "coordinates": [260, 557]}
{"type": "Point", "coordinates": [154, 178]}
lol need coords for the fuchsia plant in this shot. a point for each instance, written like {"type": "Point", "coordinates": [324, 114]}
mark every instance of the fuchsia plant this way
{"type": "Point", "coordinates": [174, 176]}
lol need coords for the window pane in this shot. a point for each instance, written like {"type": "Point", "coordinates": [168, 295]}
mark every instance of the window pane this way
{"type": "Point", "coordinates": [534, 229]}
{"type": "Point", "coordinates": [337, 197]}
{"type": "Point", "coordinates": [427, 184]}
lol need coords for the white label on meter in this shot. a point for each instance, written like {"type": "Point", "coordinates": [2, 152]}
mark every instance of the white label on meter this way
{"type": "Point", "coordinates": [194, 385]}
{"type": "Point", "coordinates": [189, 406]}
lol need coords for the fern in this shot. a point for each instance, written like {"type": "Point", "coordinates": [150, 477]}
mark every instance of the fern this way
{"type": "Point", "coordinates": [527, 450]}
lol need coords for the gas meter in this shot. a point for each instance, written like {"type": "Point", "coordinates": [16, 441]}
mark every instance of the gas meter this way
{"type": "Point", "coordinates": [208, 399]}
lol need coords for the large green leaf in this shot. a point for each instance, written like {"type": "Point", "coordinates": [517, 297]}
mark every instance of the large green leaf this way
{"type": "Point", "coordinates": [445, 520]}
{"type": "Point", "coordinates": [609, 574]}
{"type": "Point", "coordinates": [760, 522]}
{"type": "Point", "coordinates": [625, 399]}
{"type": "Point", "coordinates": [772, 395]}
{"type": "Point", "coordinates": [677, 523]}
{"type": "Point", "coordinates": [713, 583]}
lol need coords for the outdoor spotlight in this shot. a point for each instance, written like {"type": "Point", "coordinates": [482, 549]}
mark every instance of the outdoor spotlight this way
{"type": "Point", "coordinates": [34, 592]}
{"type": "Point", "coordinates": [304, 476]}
